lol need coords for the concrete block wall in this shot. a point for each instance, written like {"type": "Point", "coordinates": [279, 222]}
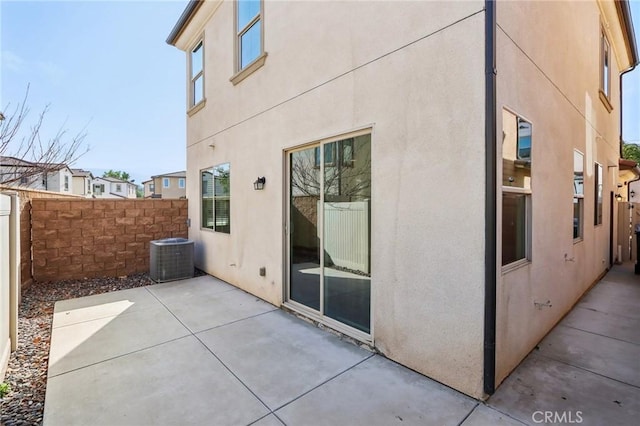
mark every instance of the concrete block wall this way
{"type": "Point", "coordinates": [26, 196]}
{"type": "Point", "coordinates": [75, 239]}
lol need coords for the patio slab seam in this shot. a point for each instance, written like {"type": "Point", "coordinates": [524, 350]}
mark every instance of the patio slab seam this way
{"type": "Point", "coordinates": [193, 333]}
{"type": "Point", "coordinates": [497, 410]}
{"type": "Point", "coordinates": [235, 375]}
{"type": "Point", "coordinates": [53, 326]}
{"type": "Point", "coordinates": [598, 334]}
{"type": "Point", "coordinates": [231, 322]}
{"type": "Point", "coordinates": [264, 417]}
{"type": "Point", "coordinates": [323, 383]}
{"type": "Point", "coordinates": [583, 369]}
{"type": "Point", "coordinates": [464, 419]}
{"type": "Point", "coordinates": [118, 356]}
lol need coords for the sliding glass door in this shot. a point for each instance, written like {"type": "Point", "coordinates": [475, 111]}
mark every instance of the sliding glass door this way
{"type": "Point", "coordinates": [329, 232]}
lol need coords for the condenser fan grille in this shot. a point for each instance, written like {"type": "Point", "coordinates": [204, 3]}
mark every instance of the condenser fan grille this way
{"type": "Point", "coordinates": [171, 259]}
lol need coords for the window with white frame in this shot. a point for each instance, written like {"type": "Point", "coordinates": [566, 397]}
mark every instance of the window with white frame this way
{"type": "Point", "coordinates": [248, 32]}
{"type": "Point", "coordinates": [118, 187]}
{"type": "Point", "coordinates": [165, 182]}
{"type": "Point", "coordinates": [516, 189]}
{"type": "Point", "coordinates": [66, 183]}
{"type": "Point", "coordinates": [196, 67]}
{"type": "Point", "coordinates": [597, 173]}
{"type": "Point", "coordinates": [216, 198]}
{"type": "Point", "coordinates": [605, 65]}
{"type": "Point", "coordinates": [181, 183]}
{"type": "Point", "coordinates": [605, 71]}
{"type": "Point", "coordinates": [578, 195]}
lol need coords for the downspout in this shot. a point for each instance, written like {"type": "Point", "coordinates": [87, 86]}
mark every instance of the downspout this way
{"type": "Point", "coordinates": [633, 67]}
{"type": "Point", "coordinates": [625, 16]}
{"type": "Point", "coordinates": [490, 257]}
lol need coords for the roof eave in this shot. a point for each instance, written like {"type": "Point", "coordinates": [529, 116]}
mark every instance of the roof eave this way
{"type": "Point", "coordinates": [187, 14]}
{"type": "Point", "coordinates": [624, 14]}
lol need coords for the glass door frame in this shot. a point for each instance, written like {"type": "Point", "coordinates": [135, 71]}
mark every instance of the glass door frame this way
{"type": "Point", "coordinates": [286, 300]}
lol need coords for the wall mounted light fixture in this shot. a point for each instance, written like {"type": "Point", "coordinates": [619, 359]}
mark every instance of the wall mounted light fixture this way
{"type": "Point", "coordinates": [618, 197]}
{"type": "Point", "coordinates": [258, 185]}
{"type": "Point", "coordinates": [632, 193]}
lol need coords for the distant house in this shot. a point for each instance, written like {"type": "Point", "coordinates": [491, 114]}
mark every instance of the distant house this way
{"type": "Point", "coordinates": [108, 187]}
{"type": "Point", "coordinates": [43, 176]}
{"type": "Point", "coordinates": [82, 182]}
{"type": "Point", "coordinates": [169, 185]}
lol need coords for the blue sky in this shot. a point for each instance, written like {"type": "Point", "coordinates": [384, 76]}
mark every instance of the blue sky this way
{"type": "Point", "coordinates": [631, 89]}
{"type": "Point", "coordinates": [105, 66]}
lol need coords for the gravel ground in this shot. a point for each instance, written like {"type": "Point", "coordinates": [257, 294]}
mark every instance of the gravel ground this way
{"type": "Point", "coordinates": [27, 371]}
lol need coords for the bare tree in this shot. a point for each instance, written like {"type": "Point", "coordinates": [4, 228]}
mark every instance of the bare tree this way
{"type": "Point", "coordinates": [25, 154]}
{"type": "Point", "coordinates": [343, 178]}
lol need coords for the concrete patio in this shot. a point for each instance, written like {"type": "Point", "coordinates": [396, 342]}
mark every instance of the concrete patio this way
{"type": "Point", "coordinates": [200, 351]}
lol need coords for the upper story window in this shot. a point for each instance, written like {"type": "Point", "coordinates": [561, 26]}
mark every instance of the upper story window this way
{"type": "Point", "coordinates": [196, 67]}
{"type": "Point", "coordinates": [165, 182]}
{"type": "Point", "coordinates": [152, 187]}
{"type": "Point", "coordinates": [181, 183]}
{"type": "Point", "coordinates": [249, 31]}
{"type": "Point", "coordinates": [66, 183]}
{"type": "Point", "coordinates": [516, 189]}
{"type": "Point", "coordinates": [578, 195]}
{"type": "Point", "coordinates": [605, 71]}
{"type": "Point", "coordinates": [118, 187]}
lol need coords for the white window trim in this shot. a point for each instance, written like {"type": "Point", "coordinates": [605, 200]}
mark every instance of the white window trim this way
{"type": "Point", "coordinates": [596, 178]}
{"type": "Point", "coordinates": [181, 183]}
{"type": "Point", "coordinates": [240, 72]}
{"type": "Point", "coordinates": [580, 237]}
{"type": "Point", "coordinates": [166, 183]}
{"type": "Point", "coordinates": [605, 92]}
{"type": "Point", "coordinates": [195, 106]}
{"type": "Point", "coordinates": [528, 258]}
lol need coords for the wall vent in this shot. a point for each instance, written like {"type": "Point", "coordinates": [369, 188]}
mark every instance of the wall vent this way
{"type": "Point", "coordinates": [171, 259]}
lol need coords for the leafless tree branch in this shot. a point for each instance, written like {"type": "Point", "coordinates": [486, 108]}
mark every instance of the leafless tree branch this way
{"type": "Point", "coordinates": [33, 154]}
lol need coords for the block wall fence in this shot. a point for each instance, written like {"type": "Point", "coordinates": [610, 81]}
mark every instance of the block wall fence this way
{"type": "Point", "coordinates": [90, 238]}
{"type": "Point", "coordinates": [26, 196]}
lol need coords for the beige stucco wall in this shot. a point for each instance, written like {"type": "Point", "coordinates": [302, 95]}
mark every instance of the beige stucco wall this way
{"type": "Point", "coordinates": [80, 184]}
{"type": "Point", "coordinates": [173, 191]}
{"type": "Point", "coordinates": [418, 83]}
{"type": "Point", "coordinates": [548, 70]}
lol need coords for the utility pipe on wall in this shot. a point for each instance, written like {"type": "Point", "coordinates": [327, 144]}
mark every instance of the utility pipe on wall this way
{"type": "Point", "coordinates": [14, 268]}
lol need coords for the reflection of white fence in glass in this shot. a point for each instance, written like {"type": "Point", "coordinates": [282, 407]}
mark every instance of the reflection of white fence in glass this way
{"type": "Point", "coordinates": [346, 230]}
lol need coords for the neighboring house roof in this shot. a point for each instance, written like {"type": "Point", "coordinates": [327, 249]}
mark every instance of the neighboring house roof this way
{"type": "Point", "coordinates": [81, 173]}
{"type": "Point", "coordinates": [12, 161]}
{"type": "Point", "coordinates": [114, 180]}
{"type": "Point", "coordinates": [174, 174]}
{"type": "Point", "coordinates": [187, 14]}
{"type": "Point", "coordinates": [18, 162]}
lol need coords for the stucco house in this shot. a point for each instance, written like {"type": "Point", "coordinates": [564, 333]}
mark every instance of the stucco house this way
{"type": "Point", "coordinates": [108, 187]}
{"type": "Point", "coordinates": [82, 182]}
{"type": "Point", "coordinates": [168, 185]}
{"type": "Point", "coordinates": [41, 176]}
{"type": "Point", "coordinates": [435, 179]}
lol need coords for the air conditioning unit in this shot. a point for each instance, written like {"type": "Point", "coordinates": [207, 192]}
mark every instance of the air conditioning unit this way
{"type": "Point", "coordinates": [171, 259]}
